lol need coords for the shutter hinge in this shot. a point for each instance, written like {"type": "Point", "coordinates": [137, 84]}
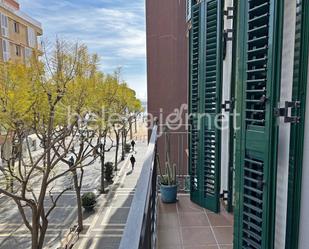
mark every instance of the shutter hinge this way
{"type": "Point", "coordinates": [228, 105]}
{"type": "Point", "coordinates": [228, 34]}
{"type": "Point", "coordinates": [225, 195]}
{"type": "Point", "coordinates": [285, 111]}
{"type": "Point", "coordinates": [229, 12]}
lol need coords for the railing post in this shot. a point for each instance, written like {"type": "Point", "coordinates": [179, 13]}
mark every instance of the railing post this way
{"type": "Point", "coordinates": [154, 204]}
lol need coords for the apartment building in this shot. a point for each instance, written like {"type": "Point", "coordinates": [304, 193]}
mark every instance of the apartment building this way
{"type": "Point", "coordinates": [19, 37]}
{"type": "Point", "coordinates": [19, 32]}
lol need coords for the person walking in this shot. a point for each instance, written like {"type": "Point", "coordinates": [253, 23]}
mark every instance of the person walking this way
{"type": "Point", "coordinates": [71, 180]}
{"type": "Point", "coordinates": [71, 162]}
{"type": "Point", "coordinates": [133, 161]}
{"type": "Point", "coordinates": [132, 144]}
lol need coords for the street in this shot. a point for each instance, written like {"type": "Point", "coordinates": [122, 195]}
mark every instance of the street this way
{"type": "Point", "coordinates": [13, 234]}
{"type": "Point", "coordinates": [104, 228]}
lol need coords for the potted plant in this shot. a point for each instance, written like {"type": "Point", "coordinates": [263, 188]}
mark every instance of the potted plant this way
{"type": "Point", "coordinates": [89, 201]}
{"type": "Point", "coordinates": [168, 184]}
{"type": "Point", "coordinates": [109, 171]}
{"type": "Point", "coordinates": [127, 148]}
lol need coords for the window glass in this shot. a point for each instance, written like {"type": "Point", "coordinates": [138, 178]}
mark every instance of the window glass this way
{"type": "Point", "coordinates": [16, 27]}
{"type": "Point", "coordinates": [18, 50]}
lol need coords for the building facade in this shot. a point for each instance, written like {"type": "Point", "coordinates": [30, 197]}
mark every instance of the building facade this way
{"type": "Point", "coordinates": [249, 131]}
{"type": "Point", "coordinates": [19, 37]}
{"type": "Point", "coordinates": [167, 74]}
{"type": "Point", "coordinates": [249, 108]}
{"type": "Point", "coordinates": [19, 33]}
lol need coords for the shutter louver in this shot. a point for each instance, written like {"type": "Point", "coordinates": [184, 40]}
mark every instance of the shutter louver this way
{"type": "Point", "coordinates": [31, 37]}
{"type": "Point", "coordinates": [4, 25]}
{"type": "Point", "coordinates": [255, 118]}
{"type": "Point", "coordinates": [206, 80]}
{"type": "Point", "coordinates": [253, 204]}
{"type": "Point", "coordinates": [258, 29]}
{"type": "Point", "coordinates": [212, 81]}
{"type": "Point", "coordinates": [260, 81]}
{"type": "Point", "coordinates": [6, 50]}
{"type": "Point", "coordinates": [195, 36]}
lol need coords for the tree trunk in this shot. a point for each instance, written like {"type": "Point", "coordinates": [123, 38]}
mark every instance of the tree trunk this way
{"type": "Point", "coordinates": [102, 157]}
{"type": "Point", "coordinates": [43, 233]}
{"type": "Point", "coordinates": [102, 189]}
{"type": "Point", "coordinates": [125, 137]}
{"type": "Point", "coordinates": [122, 147]}
{"type": "Point", "coordinates": [35, 230]}
{"type": "Point", "coordinates": [10, 178]}
{"type": "Point", "coordinates": [131, 132]}
{"type": "Point", "coordinates": [117, 149]}
{"type": "Point", "coordinates": [79, 201]}
{"type": "Point", "coordinates": [135, 125]}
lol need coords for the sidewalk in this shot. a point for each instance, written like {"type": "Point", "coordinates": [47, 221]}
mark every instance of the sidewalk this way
{"type": "Point", "coordinates": [105, 227]}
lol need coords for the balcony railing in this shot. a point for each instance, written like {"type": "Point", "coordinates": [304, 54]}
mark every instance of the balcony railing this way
{"type": "Point", "coordinates": [176, 141]}
{"type": "Point", "coordinates": [140, 230]}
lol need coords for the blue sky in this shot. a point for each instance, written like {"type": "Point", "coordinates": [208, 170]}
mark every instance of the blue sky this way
{"type": "Point", "coordinates": [114, 29]}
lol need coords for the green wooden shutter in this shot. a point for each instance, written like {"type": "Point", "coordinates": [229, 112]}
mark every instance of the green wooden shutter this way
{"type": "Point", "coordinates": [194, 100]}
{"type": "Point", "coordinates": [211, 81]}
{"type": "Point", "coordinates": [260, 68]}
{"type": "Point", "coordinates": [206, 71]}
{"type": "Point", "coordinates": [300, 79]}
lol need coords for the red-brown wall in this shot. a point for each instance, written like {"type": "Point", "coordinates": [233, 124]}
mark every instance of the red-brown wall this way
{"type": "Point", "coordinates": [12, 3]}
{"type": "Point", "coordinates": [167, 61]}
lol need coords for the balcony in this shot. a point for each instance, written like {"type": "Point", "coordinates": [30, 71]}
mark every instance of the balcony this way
{"type": "Point", "coordinates": [183, 225]}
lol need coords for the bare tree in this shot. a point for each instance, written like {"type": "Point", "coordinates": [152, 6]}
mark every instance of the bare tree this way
{"type": "Point", "coordinates": [34, 100]}
{"type": "Point", "coordinates": [35, 178]}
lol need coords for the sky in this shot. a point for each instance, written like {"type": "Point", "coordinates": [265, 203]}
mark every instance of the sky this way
{"type": "Point", "coordinates": [114, 29]}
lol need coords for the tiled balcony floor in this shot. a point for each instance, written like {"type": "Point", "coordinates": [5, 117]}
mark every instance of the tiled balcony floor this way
{"type": "Point", "coordinates": [185, 225]}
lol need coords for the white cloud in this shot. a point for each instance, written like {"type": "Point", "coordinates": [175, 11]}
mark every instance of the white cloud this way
{"type": "Point", "coordinates": [115, 29]}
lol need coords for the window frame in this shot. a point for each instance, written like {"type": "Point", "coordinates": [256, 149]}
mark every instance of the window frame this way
{"type": "Point", "coordinates": [5, 50]}
{"type": "Point", "coordinates": [17, 50]}
{"type": "Point", "coordinates": [16, 27]}
{"type": "Point", "coordinates": [31, 37]}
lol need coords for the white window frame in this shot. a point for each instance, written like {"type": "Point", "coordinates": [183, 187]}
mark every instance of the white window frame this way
{"type": "Point", "coordinates": [31, 37]}
{"type": "Point", "coordinates": [188, 9]}
{"type": "Point", "coordinates": [28, 55]}
{"type": "Point", "coordinates": [4, 25]}
{"type": "Point", "coordinates": [16, 27]}
{"type": "Point", "coordinates": [6, 50]}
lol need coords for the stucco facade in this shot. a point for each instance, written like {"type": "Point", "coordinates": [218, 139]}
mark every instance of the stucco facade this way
{"type": "Point", "coordinates": [19, 32]}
